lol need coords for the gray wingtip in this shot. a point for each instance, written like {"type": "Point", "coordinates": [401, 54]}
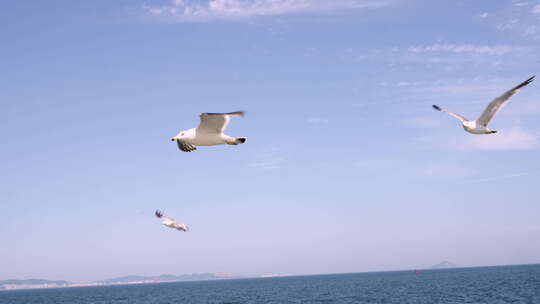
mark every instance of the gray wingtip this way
{"type": "Point", "coordinates": [526, 82]}
{"type": "Point", "coordinates": [238, 113]}
{"type": "Point", "coordinates": [529, 80]}
{"type": "Point", "coordinates": [436, 107]}
{"type": "Point", "coordinates": [235, 113]}
{"type": "Point", "coordinates": [185, 147]}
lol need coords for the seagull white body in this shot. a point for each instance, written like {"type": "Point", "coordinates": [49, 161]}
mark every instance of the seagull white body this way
{"type": "Point", "coordinates": [171, 223]}
{"type": "Point", "coordinates": [479, 126]}
{"type": "Point", "coordinates": [473, 127]}
{"type": "Point", "coordinates": [208, 133]}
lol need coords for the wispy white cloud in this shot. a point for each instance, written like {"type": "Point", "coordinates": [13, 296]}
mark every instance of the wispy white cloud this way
{"type": "Point", "coordinates": [520, 17]}
{"type": "Point", "coordinates": [445, 170]}
{"type": "Point", "coordinates": [529, 106]}
{"type": "Point", "coordinates": [317, 120]}
{"type": "Point", "coordinates": [486, 88]}
{"type": "Point", "coordinates": [422, 121]}
{"type": "Point", "coordinates": [463, 48]}
{"type": "Point", "coordinates": [531, 31]}
{"type": "Point", "coordinates": [498, 177]}
{"type": "Point", "coordinates": [413, 168]}
{"type": "Point", "coordinates": [200, 10]}
{"type": "Point", "coordinates": [515, 138]}
{"type": "Point", "coordinates": [465, 94]}
{"type": "Point", "coordinates": [268, 159]}
{"type": "Point", "coordinates": [450, 56]}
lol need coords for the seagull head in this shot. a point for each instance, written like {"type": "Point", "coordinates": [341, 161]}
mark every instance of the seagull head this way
{"type": "Point", "coordinates": [180, 135]}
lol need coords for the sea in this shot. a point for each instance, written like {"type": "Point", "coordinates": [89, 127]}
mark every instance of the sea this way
{"type": "Point", "coordinates": [490, 285]}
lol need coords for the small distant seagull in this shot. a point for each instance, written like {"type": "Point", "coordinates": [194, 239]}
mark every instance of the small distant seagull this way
{"type": "Point", "coordinates": [171, 223]}
{"type": "Point", "coordinates": [208, 133]}
{"type": "Point", "coordinates": [479, 126]}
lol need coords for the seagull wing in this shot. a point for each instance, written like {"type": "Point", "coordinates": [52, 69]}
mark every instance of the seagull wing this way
{"type": "Point", "coordinates": [183, 146]}
{"type": "Point", "coordinates": [460, 117]}
{"type": "Point", "coordinates": [160, 215]}
{"type": "Point", "coordinates": [215, 122]}
{"type": "Point", "coordinates": [170, 222]}
{"type": "Point", "coordinates": [181, 226]}
{"type": "Point", "coordinates": [494, 106]}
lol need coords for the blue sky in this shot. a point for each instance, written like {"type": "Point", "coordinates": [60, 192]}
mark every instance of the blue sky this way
{"type": "Point", "coordinates": [347, 168]}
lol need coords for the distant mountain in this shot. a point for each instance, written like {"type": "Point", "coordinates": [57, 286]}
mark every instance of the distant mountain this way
{"type": "Point", "coordinates": [31, 282]}
{"type": "Point", "coordinates": [133, 279]}
{"type": "Point", "coordinates": [443, 264]}
{"type": "Point", "coordinates": [169, 278]}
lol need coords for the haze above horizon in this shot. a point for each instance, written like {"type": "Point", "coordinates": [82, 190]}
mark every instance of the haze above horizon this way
{"type": "Point", "coordinates": [346, 167]}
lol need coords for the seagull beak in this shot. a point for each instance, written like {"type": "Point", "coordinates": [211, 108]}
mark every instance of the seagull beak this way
{"type": "Point", "coordinates": [173, 139]}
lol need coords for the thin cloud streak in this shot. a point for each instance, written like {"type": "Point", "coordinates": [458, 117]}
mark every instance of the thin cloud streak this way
{"type": "Point", "coordinates": [521, 18]}
{"type": "Point", "coordinates": [463, 48]}
{"type": "Point", "coordinates": [515, 138]}
{"type": "Point", "coordinates": [499, 177]}
{"type": "Point", "coordinates": [449, 56]}
{"type": "Point", "coordinates": [185, 10]}
{"type": "Point", "coordinates": [445, 170]}
{"type": "Point", "coordinates": [422, 121]}
{"type": "Point", "coordinates": [318, 120]}
{"type": "Point", "coordinates": [269, 159]}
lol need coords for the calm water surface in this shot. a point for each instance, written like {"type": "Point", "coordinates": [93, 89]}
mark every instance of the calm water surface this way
{"type": "Point", "coordinates": [509, 284]}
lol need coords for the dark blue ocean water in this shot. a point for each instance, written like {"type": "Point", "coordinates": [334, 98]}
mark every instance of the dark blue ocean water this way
{"type": "Point", "coordinates": [508, 284]}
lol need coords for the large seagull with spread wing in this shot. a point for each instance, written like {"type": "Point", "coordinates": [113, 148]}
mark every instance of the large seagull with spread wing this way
{"type": "Point", "coordinates": [171, 223]}
{"type": "Point", "coordinates": [208, 133]}
{"type": "Point", "coordinates": [479, 126]}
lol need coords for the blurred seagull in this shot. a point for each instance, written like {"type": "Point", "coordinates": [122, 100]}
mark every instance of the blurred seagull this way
{"type": "Point", "coordinates": [208, 133]}
{"type": "Point", "coordinates": [479, 126]}
{"type": "Point", "coordinates": [171, 223]}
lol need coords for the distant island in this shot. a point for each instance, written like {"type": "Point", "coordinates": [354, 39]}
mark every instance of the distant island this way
{"type": "Point", "coordinates": [31, 283]}
{"type": "Point", "coordinates": [171, 278]}
{"type": "Point", "coordinates": [134, 279]}
{"type": "Point", "coordinates": [443, 264]}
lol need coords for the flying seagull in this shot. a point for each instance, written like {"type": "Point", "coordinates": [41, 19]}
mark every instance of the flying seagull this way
{"type": "Point", "coordinates": [479, 126]}
{"type": "Point", "coordinates": [171, 223]}
{"type": "Point", "coordinates": [208, 133]}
